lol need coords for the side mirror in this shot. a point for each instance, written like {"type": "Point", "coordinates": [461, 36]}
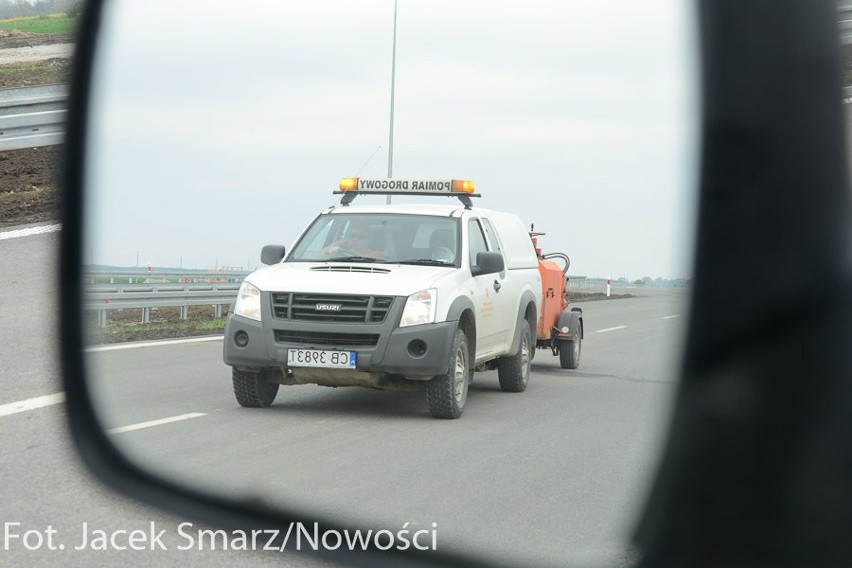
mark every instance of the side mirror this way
{"type": "Point", "coordinates": [488, 263]}
{"type": "Point", "coordinates": [272, 254]}
{"type": "Point", "coordinates": [762, 166]}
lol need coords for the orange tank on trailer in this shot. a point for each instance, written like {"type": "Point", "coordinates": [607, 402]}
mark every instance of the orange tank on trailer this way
{"type": "Point", "coordinates": [559, 329]}
{"type": "Point", "coordinates": [554, 300]}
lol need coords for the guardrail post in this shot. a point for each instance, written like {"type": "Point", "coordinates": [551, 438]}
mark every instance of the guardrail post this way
{"type": "Point", "coordinates": [146, 315]}
{"type": "Point", "coordinates": [217, 312]}
{"type": "Point", "coordinates": [184, 312]}
{"type": "Point", "coordinates": [102, 318]}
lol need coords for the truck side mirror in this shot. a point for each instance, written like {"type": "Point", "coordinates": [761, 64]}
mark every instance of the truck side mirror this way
{"type": "Point", "coordinates": [272, 254]}
{"type": "Point", "coordinates": [488, 263]}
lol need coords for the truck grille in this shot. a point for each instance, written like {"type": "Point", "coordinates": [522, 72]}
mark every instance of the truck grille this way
{"type": "Point", "coordinates": [330, 308]}
{"type": "Point", "coordinates": [322, 338]}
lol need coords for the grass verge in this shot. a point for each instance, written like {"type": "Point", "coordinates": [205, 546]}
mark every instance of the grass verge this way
{"type": "Point", "coordinates": [165, 323]}
{"type": "Point", "coordinates": [33, 73]}
{"type": "Point", "coordinates": [46, 24]}
{"type": "Point", "coordinates": [591, 296]}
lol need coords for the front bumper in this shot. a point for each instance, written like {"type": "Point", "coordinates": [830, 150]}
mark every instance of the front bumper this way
{"type": "Point", "coordinates": [413, 353]}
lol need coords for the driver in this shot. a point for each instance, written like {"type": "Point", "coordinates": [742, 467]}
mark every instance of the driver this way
{"type": "Point", "coordinates": [357, 241]}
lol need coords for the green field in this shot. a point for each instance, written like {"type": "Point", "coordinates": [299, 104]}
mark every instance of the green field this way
{"type": "Point", "coordinates": [50, 24]}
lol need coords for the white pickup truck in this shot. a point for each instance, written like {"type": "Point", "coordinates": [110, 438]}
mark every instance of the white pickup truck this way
{"type": "Point", "coordinates": [408, 296]}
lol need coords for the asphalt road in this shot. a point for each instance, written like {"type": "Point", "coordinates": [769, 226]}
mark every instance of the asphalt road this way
{"type": "Point", "coordinates": [552, 475]}
{"type": "Point", "coordinates": [43, 485]}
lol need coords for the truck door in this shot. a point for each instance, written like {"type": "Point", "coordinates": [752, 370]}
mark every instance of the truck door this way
{"type": "Point", "coordinates": [508, 298]}
{"type": "Point", "coordinates": [487, 298]}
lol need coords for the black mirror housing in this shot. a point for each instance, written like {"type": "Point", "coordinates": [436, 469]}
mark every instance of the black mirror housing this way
{"type": "Point", "coordinates": [272, 254]}
{"type": "Point", "coordinates": [738, 387]}
{"type": "Point", "coordinates": [488, 263]}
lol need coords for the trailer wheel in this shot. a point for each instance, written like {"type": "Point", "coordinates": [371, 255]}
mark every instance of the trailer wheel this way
{"type": "Point", "coordinates": [447, 394]}
{"type": "Point", "coordinates": [569, 352]}
{"type": "Point", "coordinates": [514, 372]}
{"type": "Point", "coordinates": [254, 390]}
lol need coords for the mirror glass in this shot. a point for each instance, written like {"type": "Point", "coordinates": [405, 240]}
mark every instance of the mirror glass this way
{"type": "Point", "coordinates": [216, 129]}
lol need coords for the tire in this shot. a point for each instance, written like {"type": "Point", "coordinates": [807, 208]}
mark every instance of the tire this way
{"type": "Point", "coordinates": [514, 372]}
{"type": "Point", "coordinates": [569, 352]}
{"type": "Point", "coordinates": [447, 394]}
{"type": "Point", "coordinates": [254, 390]}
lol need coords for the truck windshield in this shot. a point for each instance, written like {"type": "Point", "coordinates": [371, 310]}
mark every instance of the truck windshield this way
{"type": "Point", "coordinates": [386, 238]}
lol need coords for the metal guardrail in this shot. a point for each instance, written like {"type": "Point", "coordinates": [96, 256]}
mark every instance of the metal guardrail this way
{"type": "Point", "coordinates": [105, 291]}
{"type": "Point", "coordinates": [141, 276]}
{"type": "Point", "coordinates": [32, 116]}
{"type": "Point", "coordinates": [137, 289]}
{"type": "Point", "coordinates": [596, 284]}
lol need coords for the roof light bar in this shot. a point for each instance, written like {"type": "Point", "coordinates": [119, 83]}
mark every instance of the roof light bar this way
{"type": "Point", "coordinates": [352, 186]}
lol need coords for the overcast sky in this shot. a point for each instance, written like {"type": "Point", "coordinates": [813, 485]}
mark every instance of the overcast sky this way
{"type": "Point", "coordinates": [219, 128]}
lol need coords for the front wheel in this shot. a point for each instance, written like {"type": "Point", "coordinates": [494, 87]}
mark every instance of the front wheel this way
{"type": "Point", "coordinates": [254, 389]}
{"type": "Point", "coordinates": [447, 394]}
{"type": "Point", "coordinates": [514, 372]}
{"type": "Point", "coordinates": [569, 352]}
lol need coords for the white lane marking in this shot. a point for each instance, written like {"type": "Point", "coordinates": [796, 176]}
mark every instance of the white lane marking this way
{"type": "Point", "coordinates": [611, 329]}
{"type": "Point", "coordinates": [17, 233]}
{"type": "Point", "coordinates": [139, 345]}
{"type": "Point", "coordinates": [152, 423]}
{"type": "Point", "coordinates": [31, 403]}
{"type": "Point", "coordinates": [672, 316]}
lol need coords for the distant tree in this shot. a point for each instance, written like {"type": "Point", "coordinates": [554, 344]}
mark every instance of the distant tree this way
{"type": "Point", "coordinates": [45, 7]}
{"type": "Point", "coordinates": [22, 9]}
{"type": "Point", "coordinates": [73, 9]}
{"type": "Point", "coordinates": [16, 9]}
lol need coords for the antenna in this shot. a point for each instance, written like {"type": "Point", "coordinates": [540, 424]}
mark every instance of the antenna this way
{"type": "Point", "coordinates": [368, 160]}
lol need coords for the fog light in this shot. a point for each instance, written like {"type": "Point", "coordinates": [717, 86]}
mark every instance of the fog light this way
{"type": "Point", "coordinates": [417, 348]}
{"type": "Point", "coordinates": [241, 338]}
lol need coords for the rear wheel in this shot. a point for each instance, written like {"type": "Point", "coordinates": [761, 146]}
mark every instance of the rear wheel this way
{"type": "Point", "coordinates": [569, 352]}
{"type": "Point", "coordinates": [254, 389]}
{"type": "Point", "coordinates": [514, 372]}
{"type": "Point", "coordinates": [447, 394]}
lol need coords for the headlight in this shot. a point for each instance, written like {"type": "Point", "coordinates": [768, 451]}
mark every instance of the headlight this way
{"type": "Point", "coordinates": [420, 308]}
{"type": "Point", "coordinates": [248, 302]}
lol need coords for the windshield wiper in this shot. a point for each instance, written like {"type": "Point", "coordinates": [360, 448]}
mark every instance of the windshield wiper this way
{"type": "Point", "coordinates": [426, 261]}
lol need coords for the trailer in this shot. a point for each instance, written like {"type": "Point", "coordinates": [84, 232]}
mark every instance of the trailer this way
{"type": "Point", "coordinates": [560, 326]}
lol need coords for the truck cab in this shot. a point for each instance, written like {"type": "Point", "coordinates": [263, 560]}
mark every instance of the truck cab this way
{"type": "Point", "coordinates": [409, 296]}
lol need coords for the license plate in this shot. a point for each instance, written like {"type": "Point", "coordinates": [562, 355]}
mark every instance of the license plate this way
{"type": "Point", "coordinates": [325, 358]}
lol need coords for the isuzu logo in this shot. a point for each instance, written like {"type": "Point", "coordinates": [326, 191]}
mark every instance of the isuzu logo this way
{"type": "Point", "coordinates": [328, 307]}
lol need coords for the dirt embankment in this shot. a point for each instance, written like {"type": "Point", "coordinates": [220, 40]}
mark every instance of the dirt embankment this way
{"type": "Point", "coordinates": [29, 177]}
{"type": "Point", "coordinates": [20, 39]}
{"type": "Point", "coordinates": [28, 185]}
{"type": "Point", "coordinates": [164, 323]}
